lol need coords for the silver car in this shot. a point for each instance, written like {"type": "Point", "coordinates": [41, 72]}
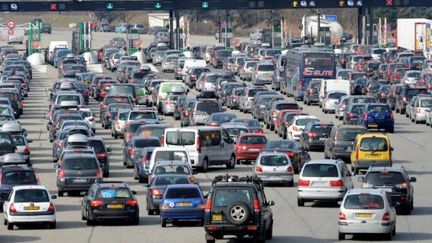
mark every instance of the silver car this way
{"type": "Point", "coordinates": [22, 146]}
{"type": "Point", "coordinates": [169, 104]}
{"type": "Point", "coordinates": [274, 167]}
{"type": "Point", "coordinates": [264, 72]}
{"type": "Point", "coordinates": [331, 101]}
{"type": "Point", "coordinates": [341, 107]}
{"type": "Point", "coordinates": [419, 109]}
{"type": "Point", "coordinates": [169, 63]}
{"type": "Point", "coordinates": [325, 180]}
{"type": "Point", "coordinates": [367, 211]}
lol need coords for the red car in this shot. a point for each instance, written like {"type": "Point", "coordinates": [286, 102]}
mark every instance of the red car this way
{"type": "Point", "coordinates": [280, 119]}
{"type": "Point", "coordinates": [249, 146]}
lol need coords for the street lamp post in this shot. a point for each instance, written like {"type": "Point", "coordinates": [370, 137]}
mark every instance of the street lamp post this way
{"type": "Point", "coordinates": [319, 26]}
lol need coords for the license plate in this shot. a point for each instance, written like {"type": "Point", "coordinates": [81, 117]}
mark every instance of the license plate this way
{"type": "Point", "coordinates": [217, 217]}
{"type": "Point", "coordinates": [322, 139]}
{"type": "Point", "coordinates": [31, 208]}
{"type": "Point", "coordinates": [373, 125]}
{"type": "Point", "coordinates": [80, 180]}
{"type": "Point", "coordinates": [364, 215]}
{"type": "Point", "coordinates": [254, 150]}
{"type": "Point", "coordinates": [115, 206]}
{"type": "Point", "coordinates": [184, 204]}
{"type": "Point", "coordinates": [319, 183]}
{"type": "Point", "coordinates": [372, 155]}
{"type": "Point", "coordinates": [387, 189]}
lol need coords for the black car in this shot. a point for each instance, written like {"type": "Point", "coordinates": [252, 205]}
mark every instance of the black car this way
{"type": "Point", "coordinates": [341, 140]}
{"type": "Point", "coordinates": [394, 180]}
{"type": "Point", "coordinates": [312, 92]}
{"type": "Point", "coordinates": [406, 93]}
{"type": "Point", "coordinates": [14, 175]}
{"type": "Point", "coordinates": [102, 153]}
{"type": "Point", "coordinates": [315, 134]}
{"type": "Point", "coordinates": [292, 148]}
{"type": "Point", "coordinates": [110, 201]}
{"type": "Point", "coordinates": [238, 206]}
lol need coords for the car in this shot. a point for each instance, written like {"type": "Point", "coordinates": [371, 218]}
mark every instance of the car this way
{"type": "Point", "coordinates": [323, 180]}
{"type": "Point", "coordinates": [253, 124]}
{"type": "Point", "coordinates": [235, 129]}
{"type": "Point", "coordinates": [238, 206]}
{"type": "Point", "coordinates": [249, 146]}
{"type": "Point", "coordinates": [22, 144]}
{"type": "Point", "coordinates": [340, 142]}
{"type": "Point", "coordinates": [182, 202]}
{"type": "Point", "coordinates": [353, 113]}
{"type": "Point", "coordinates": [118, 123]}
{"type": "Point", "coordinates": [371, 149]}
{"type": "Point", "coordinates": [110, 200]}
{"type": "Point", "coordinates": [219, 118]}
{"type": "Point", "coordinates": [315, 134]}
{"type": "Point", "coordinates": [299, 122]}
{"type": "Point", "coordinates": [367, 211]}
{"type": "Point", "coordinates": [274, 109]}
{"type": "Point", "coordinates": [312, 92]}
{"type": "Point", "coordinates": [200, 113]}
{"type": "Point", "coordinates": [131, 148]}
{"type": "Point", "coordinates": [274, 167]}
{"type": "Point", "coordinates": [405, 95]}
{"type": "Point", "coordinates": [341, 107]}
{"type": "Point", "coordinates": [331, 101]}
{"type": "Point", "coordinates": [377, 116]}
{"type": "Point", "coordinates": [396, 182]}
{"type": "Point", "coordinates": [29, 204]}
{"type": "Point", "coordinates": [102, 153]}
{"type": "Point", "coordinates": [420, 108]}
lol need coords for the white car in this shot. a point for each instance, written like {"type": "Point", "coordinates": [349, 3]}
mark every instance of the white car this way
{"type": "Point", "coordinates": [89, 118]}
{"type": "Point", "coordinates": [29, 204]}
{"type": "Point", "coordinates": [299, 123]}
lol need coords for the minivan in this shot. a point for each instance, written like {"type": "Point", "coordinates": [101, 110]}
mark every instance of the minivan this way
{"type": "Point", "coordinates": [206, 146]}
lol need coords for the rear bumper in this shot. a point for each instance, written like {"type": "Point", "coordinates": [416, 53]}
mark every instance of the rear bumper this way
{"type": "Point", "coordinates": [182, 214]}
{"type": "Point", "coordinates": [365, 164]}
{"type": "Point", "coordinates": [32, 219]}
{"type": "Point", "coordinates": [317, 194]}
{"type": "Point", "coordinates": [113, 215]}
{"type": "Point", "coordinates": [247, 156]}
{"type": "Point", "coordinates": [276, 178]}
{"type": "Point", "coordinates": [369, 229]}
{"type": "Point", "coordinates": [222, 229]}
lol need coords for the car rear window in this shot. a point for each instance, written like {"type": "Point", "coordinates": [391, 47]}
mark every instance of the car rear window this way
{"type": "Point", "coordinates": [223, 197]}
{"type": "Point", "coordinates": [426, 103]}
{"type": "Point", "coordinates": [253, 140]}
{"type": "Point", "coordinates": [80, 164]}
{"type": "Point", "coordinates": [349, 134]}
{"type": "Point", "coordinates": [180, 138]}
{"type": "Point", "coordinates": [274, 160]}
{"type": "Point", "coordinates": [364, 201]}
{"type": "Point", "coordinates": [208, 107]}
{"type": "Point", "coordinates": [265, 68]}
{"type": "Point", "coordinates": [143, 143]}
{"type": "Point", "coordinates": [171, 169]}
{"type": "Point", "coordinates": [152, 132]}
{"type": "Point", "coordinates": [113, 193]}
{"type": "Point", "coordinates": [384, 178]}
{"type": "Point", "coordinates": [97, 146]}
{"type": "Point", "coordinates": [373, 144]}
{"type": "Point", "coordinates": [378, 108]}
{"type": "Point", "coordinates": [174, 193]}
{"type": "Point", "coordinates": [360, 100]}
{"type": "Point", "coordinates": [18, 178]}
{"type": "Point", "coordinates": [323, 128]}
{"type": "Point", "coordinates": [320, 170]}
{"type": "Point", "coordinates": [336, 96]}
{"type": "Point", "coordinates": [304, 122]}
{"type": "Point", "coordinates": [287, 106]}
{"type": "Point", "coordinates": [142, 115]}
{"type": "Point", "coordinates": [164, 181]}
{"type": "Point", "coordinates": [31, 195]}
{"type": "Point", "coordinates": [170, 155]}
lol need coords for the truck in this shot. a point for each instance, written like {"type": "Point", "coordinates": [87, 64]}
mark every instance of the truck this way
{"type": "Point", "coordinates": [330, 34]}
{"type": "Point", "coordinates": [414, 34]}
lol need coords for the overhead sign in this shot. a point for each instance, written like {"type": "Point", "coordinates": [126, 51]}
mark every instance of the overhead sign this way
{"type": "Point", "coordinates": [11, 24]}
{"type": "Point", "coordinates": [330, 18]}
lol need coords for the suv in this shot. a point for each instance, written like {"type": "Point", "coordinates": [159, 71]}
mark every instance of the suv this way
{"type": "Point", "coordinates": [396, 182]}
{"type": "Point", "coordinates": [238, 206]}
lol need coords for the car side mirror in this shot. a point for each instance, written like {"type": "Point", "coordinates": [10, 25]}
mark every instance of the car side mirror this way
{"type": "Point", "coordinates": [413, 179]}
{"type": "Point", "coordinates": [134, 192]}
{"type": "Point", "coordinates": [360, 179]}
{"type": "Point", "coordinates": [270, 203]}
{"type": "Point", "coordinates": [53, 196]}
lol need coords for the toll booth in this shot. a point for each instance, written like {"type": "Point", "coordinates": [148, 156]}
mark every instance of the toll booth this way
{"type": "Point", "coordinates": [82, 38]}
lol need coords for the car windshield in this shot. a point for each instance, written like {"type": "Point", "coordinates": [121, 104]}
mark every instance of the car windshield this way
{"type": "Point", "coordinates": [265, 68]}
{"type": "Point", "coordinates": [373, 144]}
{"type": "Point", "coordinates": [113, 193]}
{"type": "Point", "coordinates": [78, 163]}
{"type": "Point", "coordinates": [224, 197]}
{"type": "Point", "coordinates": [18, 178]}
{"type": "Point", "coordinates": [349, 134]}
{"type": "Point", "coordinates": [253, 140]}
{"type": "Point", "coordinates": [274, 160]}
{"type": "Point", "coordinates": [358, 109]}
{"type": "Point", "coordinates": [175, 193]}
{"type": "Point", "coordinates": [143, 143]}
{"type": "Point", "coordinates": [378, 108]}
{"type": "Point", "coordinates": [364, 201]}
{"type": "Point", "coordinates": [171, 155]}
{"type": "Point", "coordinates": [171, 169]}
{"type": "Point", "coordinates": [384, 178]}
{"type": "Point", "coordinates": [170, 180]}
{"type": "Point", "coordinates": [305, 121]}
{"type": "Point", "coordinates": [281, 145]}
{"type": "Point", "coordinates": [142, 115]}
{"type": "Point", "coordinates": [31, 195]}
{"type": "Point", "coordinates": [320, 170]}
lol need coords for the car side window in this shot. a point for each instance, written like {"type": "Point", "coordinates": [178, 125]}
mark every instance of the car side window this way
{"type": "Point", "coordinates": [226, 136]}
{"type": "Point", "coordinates": [10, 196]}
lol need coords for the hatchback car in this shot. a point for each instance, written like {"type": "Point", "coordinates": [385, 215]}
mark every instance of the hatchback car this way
{"type": "Point", "coordinates": [377, 116]}
{"type": "Point", "coordinates": [366, 211]}
{"type": "Point", "coordinates": [326, 180]}
{"type": "Point", "coordinates": [132, 147]}
{"type": "Point", "coordinates": [295, 130]}
{"type": "Point", "coordinates": [315, 134]}
{"type": "Point", "coordinates": [29, 204]}
{"type": "Point", "coordinates": [340, 143]}
{"type": "Point", "coordinates": [249, 146]}
{"type": "Point", "coordinates": [182, 202]}
{"type": "Point", "coordinates": [274, 167]}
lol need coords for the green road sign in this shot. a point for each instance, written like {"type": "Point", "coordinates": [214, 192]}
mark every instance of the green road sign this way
{"type": "Point", "coordinates": [205, 4]}
{"type": "Point", "coordinates": [110, 6]}
{"type": "Point", "coordinates": [158, 5]}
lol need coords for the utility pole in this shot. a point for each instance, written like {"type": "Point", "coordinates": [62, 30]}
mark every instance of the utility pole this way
{"type": "Point", "coordinates": [226, 29]}
{"type": "Point", "coordinates": [220, 31]}
{"type": "Point", "coordinates": [319, 26]}
{"type": "Point", "coordinates": [272, 26]}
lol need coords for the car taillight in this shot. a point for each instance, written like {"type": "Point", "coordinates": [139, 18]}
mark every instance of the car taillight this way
{"type": "Point", "coordinates": [131, 203]}
{"type": "Point", "coordinates": [303, 183]}
{"type": "Point", "coordinates": [258, 169]}
{"type": "Point", "coordinates": [338, 183]}
{"type": "Point", "coordinates": [342, 216]}
{"type": "Point", "coordinates": [131, 152]}
{"type": "Point", "coordinates": [198, 145]}
{"type": "Point", "coordinates": [418, 110]}
{"type": "Point", "coordinates": [102, 154]}
{"type": "Point", "coordinates": [312, 135]}
{"type": "Point", "coordinates": [51, 208]}
{"type": "Point", "coordinates": [274, 113]}
{"type": "Point", "coordinates": [86, 92]}
{"type": "Point", "coordinates": [96, 204]}
{"type": "Point", "coordinates": [12, 208]}
{"type": "Point", "coordinates": [350, 115]}
{"type": "Point", "coordinates": [108, 114]}
{"type": "Point", "coordinates": [290, 170]}
{"type": "Point", "coordinates": [208, 206]}
{"type": "Point", "coordinates": [61, 174]}
{"type": "Point", "coordinates": [104, 107]}
{"type": "Point", "coordinates": [383, 95]}
{"type": "Point", "coordinates": [404, 185]}
{"type": "Point", "coordinates": [186, 114]}
{"type": "Point", "coordinates": [256, 204]}
{"type": "Point", "coordinates": [99, 173]}
{"type": "Point", "coordinates": [290, 154]}
{"type": "Point", "coordinates": [260, 130]}
{"type": "Point", "coordinates": [386, 216]}
{"type": "Point", "coordinates": [155, 193]}
{"type": "Point", "coordinates": [192, 179]}
{"type": "Point", "coordinates": [117, 125]}
{"type": "Point", "coordinates": [295, 128]}
{"type": "Point", "coordinates": [26, 150]}
{"type": "Point", "coordinates": [300, 83]}
{"type": "Point", "coordinates": [404, 99]}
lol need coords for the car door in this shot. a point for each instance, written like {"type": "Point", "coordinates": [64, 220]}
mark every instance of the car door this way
{"type": "Point", "coordinates": [266, 210]}
{"type": "Point", "coordinates": [228, 145]}
{"type": "Point", "coordinates": [346, 176]}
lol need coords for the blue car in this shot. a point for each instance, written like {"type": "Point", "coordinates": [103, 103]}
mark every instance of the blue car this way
{"type": "Point", "coordinates": [182, 202]}
{"type": "Point", "coordinates": [378, 116]}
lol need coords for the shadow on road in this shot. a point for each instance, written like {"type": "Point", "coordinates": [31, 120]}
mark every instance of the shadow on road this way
{"type": "Point", "coordinates": [17, 238]}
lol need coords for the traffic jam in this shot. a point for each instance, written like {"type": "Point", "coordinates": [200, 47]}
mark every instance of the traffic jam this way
{"type": "Point", "coordinates": [178, 114]}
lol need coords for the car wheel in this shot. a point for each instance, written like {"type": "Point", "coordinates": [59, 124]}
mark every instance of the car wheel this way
{"type": "Point", "coordinates": [290, 184]}
{"type": "Point", "coordinates": [163, 222]}
{"type": "Point", "coordinates": [269, 232]}
{"type": "Point", "coordinates": [205, 165]}
{"type": "Point", "coordinates": [106, 174]}
{"type": "Point", "coordinates": [136, 221]}
{"type": "Point", "coordinates": [89, 221]}
{"type": "Point", "coordinates": [10, 226]}
{"type": "Point", "coordinates": [52, 225]}
{"type": "Point", "coordinates": [300, 202]}
{"type": "Point", "coordinates": [60, 193]}
{"type": "Point", "coordinates": [341, 236]}
{"type": "Point", "coordinates": [389, 235]}
{"type": "Point", "coordinates": [210, 241]}
{"type": "Point", "coordinates": [5, 222]}
{"type": "Point", "coordinates": [232, 162]}
{"type": "Point", "coordinates": [238, 213]}
{"type": "Point", "coordinates": [394, 230]}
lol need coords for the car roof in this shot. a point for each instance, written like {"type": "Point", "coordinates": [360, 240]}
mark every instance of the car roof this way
{"type": "Point", "coordinates": [175, 186]}
{"type": "Point", "coordinates": [366, 190]}
{"type": "Point", "coordinates": [323, 161]}
{"type": "Point", "coordinates": [373, 135]}
{"type": "Point", "coordinates": [16, 188]}
{"type": "Point", "coordinates": [385, 168]}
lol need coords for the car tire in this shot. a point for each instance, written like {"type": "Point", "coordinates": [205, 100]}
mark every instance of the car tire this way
{"type": "Point", "coordinates": [390, 130]}
{"type": "Point", "coordinates": [5, 222]}
{"type": "Point", "coordinates": [210, 241]}
{"type": "Point", "coordinates": [52, 225]}
{"type": "Point", "coordinates": [341, 236]}
{"type": "Point", "coordinates": [290, 184]}
{"type": "Point", "coordinates": [205, 165]}
{"type": "Point", "coordinates": [10, 226]}
{"type": "Point", "coordinates": [394, 230]}
{"type": "Point", "coordinates": [269, 232]}
{"type": "Point", "coordinates": [163, 222]}
{"type": "Point", "coordinates": [389, 236]}
{"type": "Point", "coordinates": [106, 174]}
{"type": "Point", "coordinates": [136, 221]}
{"type": "Point", "coordinates": [300, 202]}
{"type": "Point", "coordinates": [60, 193]}
{"type": "Point", "coordinates": [238, 213]}
{"type": "Point", "coordinates": [232, 162]}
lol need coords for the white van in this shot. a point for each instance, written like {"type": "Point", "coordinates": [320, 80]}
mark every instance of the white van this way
{"type": "Point", "coordinates": [192, 63]}
{"type": "Point", "coordinates": [165, 87]}
{"type": "Point", "coordinates": [327, 85]}
{"type": "Point", "coordinates": [168, 154]}
{"type": "Point", "coordinates": [206, 145]}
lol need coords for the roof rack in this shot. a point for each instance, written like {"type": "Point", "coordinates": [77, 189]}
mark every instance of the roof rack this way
{"type": "Point", "coordinates": [235, 178]}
